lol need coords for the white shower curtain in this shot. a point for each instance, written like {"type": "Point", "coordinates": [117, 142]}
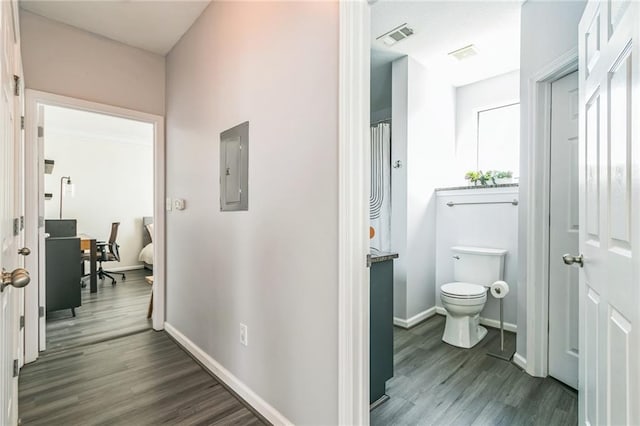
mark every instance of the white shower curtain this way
{"type": "Point", "coordinates": [380, 197]}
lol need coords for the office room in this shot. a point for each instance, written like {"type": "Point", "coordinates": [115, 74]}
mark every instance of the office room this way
{"type": "Point", "coordinates": [97, 197]}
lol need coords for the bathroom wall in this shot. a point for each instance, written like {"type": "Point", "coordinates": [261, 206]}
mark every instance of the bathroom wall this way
{"type": "Point", "coordinates": [497, 91]}
{"type": "Point", "coordinates": [380, 86]}
{"type": "Point", "coordinates": [549, 30]}
{"type": "Point", "coordinates": [423, 138]}
{"type": "Point", "coordinates": [483, 225]}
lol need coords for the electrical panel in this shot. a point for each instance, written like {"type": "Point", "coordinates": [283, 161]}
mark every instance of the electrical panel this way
{"type": "Point", "coordinates": [234, 168]}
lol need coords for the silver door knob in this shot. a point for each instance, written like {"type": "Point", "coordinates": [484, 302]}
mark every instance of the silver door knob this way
{"type": "Point", "coordinates": [25, 251]}
{"type": "Point", "coordinates": [18, 278]}
{"type": "Point", "coordinates": [570, 260]}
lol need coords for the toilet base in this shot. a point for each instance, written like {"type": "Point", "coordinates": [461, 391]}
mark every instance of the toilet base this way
{"type": "Point", "coordinates": [463, 331]}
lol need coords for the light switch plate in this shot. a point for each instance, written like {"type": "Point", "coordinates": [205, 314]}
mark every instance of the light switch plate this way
{"type": "Point", "coordinates": [179, 204]}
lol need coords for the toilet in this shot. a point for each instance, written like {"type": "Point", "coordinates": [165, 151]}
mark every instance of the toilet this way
{"type": "Point", "coordinates": [474, 270]}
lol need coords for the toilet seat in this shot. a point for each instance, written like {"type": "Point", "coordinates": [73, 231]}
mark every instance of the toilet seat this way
{"type": "Point", "coordinates": [460, 290]}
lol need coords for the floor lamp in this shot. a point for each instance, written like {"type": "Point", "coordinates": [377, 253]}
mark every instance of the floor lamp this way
{"type": "Point", "coordinates": [68, 188]}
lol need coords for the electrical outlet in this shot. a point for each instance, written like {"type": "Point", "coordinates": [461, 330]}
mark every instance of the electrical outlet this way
{"type": "Point", "coordinates": [244, 334]}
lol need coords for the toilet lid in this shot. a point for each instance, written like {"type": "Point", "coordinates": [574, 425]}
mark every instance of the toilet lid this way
{"type": "Point", "coordinates": [463, 290]}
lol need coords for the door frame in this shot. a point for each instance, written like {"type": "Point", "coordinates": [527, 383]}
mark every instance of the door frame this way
{"type": "Point", "coordinates": [536, 213]}
{"type": "Point", "coordinates": [354, 153]}
{"type": "Point", "coordinates": [34, 98]}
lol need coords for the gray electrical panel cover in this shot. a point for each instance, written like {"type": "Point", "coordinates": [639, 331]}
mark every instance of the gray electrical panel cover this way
{"type": "Point", "coordinates": [234, 168]}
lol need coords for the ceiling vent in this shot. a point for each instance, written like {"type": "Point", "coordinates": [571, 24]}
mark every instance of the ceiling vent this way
{"type": "Point", "coordinates": [395, 35]}
{"type": "Point", "coordinates": [464, 53]}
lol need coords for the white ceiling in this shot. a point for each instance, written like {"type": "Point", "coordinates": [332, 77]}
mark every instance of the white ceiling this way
{"type": "Point", "coordinates": [444, 26]}
{"type": "Point", "coordinates": [155, 26]}
{"type": "Point", "coordinates": [97, 127]}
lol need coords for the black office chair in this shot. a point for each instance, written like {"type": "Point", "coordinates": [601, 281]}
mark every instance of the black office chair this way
{"type": "Point", "coordinates": [107, 252]}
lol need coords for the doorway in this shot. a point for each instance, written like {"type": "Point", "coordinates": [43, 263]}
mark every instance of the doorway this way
{"type": "Point", "coordinates": [563, 231]}
{"type": "Point", "coordinates": [41, 105]}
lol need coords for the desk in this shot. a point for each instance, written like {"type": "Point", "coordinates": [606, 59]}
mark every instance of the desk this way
{"type": "Point", "coordinates": [89, 243]}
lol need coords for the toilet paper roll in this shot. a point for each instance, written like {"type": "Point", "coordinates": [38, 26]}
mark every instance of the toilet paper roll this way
{"type": "Point", "coordinates": [499, 289]}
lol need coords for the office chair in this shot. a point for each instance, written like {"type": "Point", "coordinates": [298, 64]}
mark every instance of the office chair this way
{"type": "Point", "coordinates": [108, 251]}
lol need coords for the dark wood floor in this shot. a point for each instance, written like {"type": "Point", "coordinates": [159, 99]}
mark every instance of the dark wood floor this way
{"type": "Point", "coordinates": [140, 379]}
{"type": "Point", "coordinates": [115, 310]}
{"type": "Point", "coordinates": [438, 384]}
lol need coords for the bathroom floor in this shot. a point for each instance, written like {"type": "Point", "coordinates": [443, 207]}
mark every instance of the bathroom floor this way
{"type": "Point", "coordinates": [438, 384]}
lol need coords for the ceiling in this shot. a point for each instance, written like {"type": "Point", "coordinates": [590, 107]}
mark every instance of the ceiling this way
{"type": "Point", "coordinates": [441, 27]}
{"type": "Point", "coordinates": [155, 26]}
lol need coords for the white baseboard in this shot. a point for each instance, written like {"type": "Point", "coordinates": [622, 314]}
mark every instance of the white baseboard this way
{"type": "Point", "coordinates": [520, 361]}
{"type": "Point", "coordinates": [118, 268]}
{"type": "Point", "coordinates": [250, 397]}
{"type": "Point", "coordinates": [416, 319]}
{"type": "Point", "coordinates": [485, 321]}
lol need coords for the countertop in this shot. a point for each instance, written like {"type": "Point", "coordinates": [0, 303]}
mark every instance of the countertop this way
{"type": "Point", "coordinates": [381, 256]}
{"type": "Point", "coordinates": [502, 185]}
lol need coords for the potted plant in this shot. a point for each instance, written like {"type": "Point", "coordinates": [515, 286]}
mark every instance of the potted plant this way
{"type": "Point", "coordinates": [502, 177]}
{"type": "Point", "coordinates": [479, 177]}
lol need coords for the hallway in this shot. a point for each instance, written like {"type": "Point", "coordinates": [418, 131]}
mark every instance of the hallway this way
{"type": "Point", "coordinates": [139, 379]}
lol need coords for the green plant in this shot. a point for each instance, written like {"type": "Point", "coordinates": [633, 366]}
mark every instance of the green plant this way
{"type": "Point", "coordinates": [479, 176]}
{"type": "Point", "coordinates": [502, 174]}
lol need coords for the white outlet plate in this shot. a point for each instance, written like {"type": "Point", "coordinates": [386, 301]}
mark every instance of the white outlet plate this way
{"type": "Point", "coordinates": [244, 334]}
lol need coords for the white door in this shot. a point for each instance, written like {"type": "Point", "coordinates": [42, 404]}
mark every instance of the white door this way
{"type": "Point", "coordinates": [609, 289]}
{"type": "Point", "coordinates": [563, 231]}
{"type": "Point", "coordinates": [10, 168]}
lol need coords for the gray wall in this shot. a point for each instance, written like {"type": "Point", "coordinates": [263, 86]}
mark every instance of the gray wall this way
{"type": "Point", "coordinates": [380, 90]}
{"type": "Point", "coordinates": [64, 60]}
{"type": "Point", "coordinates": [549, 29]}
{"type": "Point", "coordinates": [274, 267]}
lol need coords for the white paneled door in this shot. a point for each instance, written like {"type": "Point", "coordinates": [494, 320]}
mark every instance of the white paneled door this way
{"type": "Point", "coordinates": [11, 208]}
{"type": "Point", "coordinates": [609, 282]}
{"type": "Point", "coordinates": [563, 231]}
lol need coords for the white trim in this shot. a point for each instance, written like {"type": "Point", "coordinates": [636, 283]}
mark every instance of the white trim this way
{"type": "Point", "coordinates": [33, 99]}
{"type": "Point", "coordinates": [416, 319]}
{"type": "Point", "coordinates": [353, 213]}
{"type": "Point", "coordinates": [485, 321]}
{"type": "Point", "coordinates": [537, 210]}
{"type": "Point", "coordinates": [215, 368]}
{"type": "Point", "coordinates": [520, 361]}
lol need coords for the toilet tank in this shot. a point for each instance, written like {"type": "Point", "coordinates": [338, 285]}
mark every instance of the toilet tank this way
{"type": "Point", "coordinates": [478, 265]}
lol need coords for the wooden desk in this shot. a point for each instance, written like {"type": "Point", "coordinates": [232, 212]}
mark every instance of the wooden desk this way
{"type": "Point", "coordinates": [89, 243]}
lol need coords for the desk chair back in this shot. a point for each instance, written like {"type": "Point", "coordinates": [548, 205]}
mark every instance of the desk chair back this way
{"type": "Point", "coordinates": [113, 246]}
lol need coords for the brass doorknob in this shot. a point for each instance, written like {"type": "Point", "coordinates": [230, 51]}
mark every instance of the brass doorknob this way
{"type": "Point", "coordinates": [18, 278]}
{"type": "Point", "coordinates": [25, 251]}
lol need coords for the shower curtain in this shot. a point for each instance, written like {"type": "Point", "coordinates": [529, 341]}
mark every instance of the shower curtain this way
{"type": "Point", "coordinates": [380, 197]}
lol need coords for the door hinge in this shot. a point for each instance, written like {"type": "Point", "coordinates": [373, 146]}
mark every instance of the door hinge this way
{"type": "Point", "coordinates": [41, 311]}
{"type": "Point", "coordinates": [22, 122]}
{"type": "Point", "coordinates": [16, 89]}
{"type": "Point", "coordinates": [21, 322]}
{"type": "Point", "coordinates": [16, 226]}
{"type": "Point", "coordinates": [40, 131]}
{"type": "Point", "coordinates": [368, 261]}
{"type": "Point", "coordinates": [40, 221]}
{"type": "Point", "coordinates": [16, 368]}
{"type": "Point", "coordinates": [21, 223]}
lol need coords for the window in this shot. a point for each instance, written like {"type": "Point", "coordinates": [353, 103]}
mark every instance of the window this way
{"type": "Point", "coordinates": [499, 139]}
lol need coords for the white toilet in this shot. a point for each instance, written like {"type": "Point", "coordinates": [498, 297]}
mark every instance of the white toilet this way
{"type": "Point", "coordinates": [474, 270]}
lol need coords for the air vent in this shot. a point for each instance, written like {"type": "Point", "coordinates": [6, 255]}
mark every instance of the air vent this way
{"type": "Point", "coordinates": [464, 53]}
{"type": "Point", "coordinates": [395, 35]}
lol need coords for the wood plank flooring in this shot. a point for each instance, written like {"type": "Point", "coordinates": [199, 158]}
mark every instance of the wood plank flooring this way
{"type": "Point", "coordinates": [438, 384]}
{"type": "Point", "coordinates": [115, 310]}
{"type": "Point", "coordinates": [140, 379]}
